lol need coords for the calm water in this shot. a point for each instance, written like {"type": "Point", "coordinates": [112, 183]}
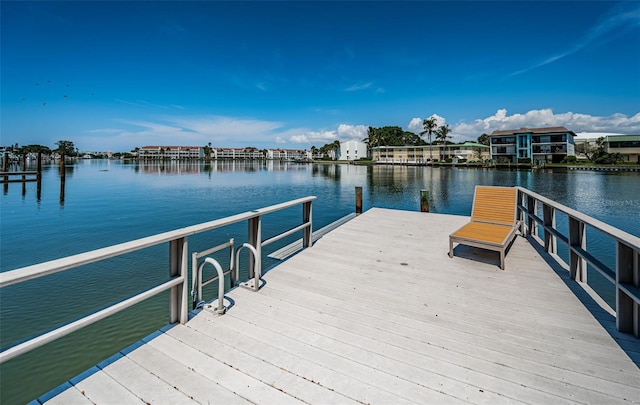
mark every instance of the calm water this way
{"type": "Point", "coordinates": [107, 202]}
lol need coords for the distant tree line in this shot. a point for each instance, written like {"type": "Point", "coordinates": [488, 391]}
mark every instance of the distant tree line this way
{"type": "Point", "coordinates": [396, 136]}
{"type": "Point", "coordinates": [63, 147]}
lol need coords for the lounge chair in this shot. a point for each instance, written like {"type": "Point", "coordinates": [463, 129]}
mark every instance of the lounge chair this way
{"type": "Point", "coordinates": [493, 221]}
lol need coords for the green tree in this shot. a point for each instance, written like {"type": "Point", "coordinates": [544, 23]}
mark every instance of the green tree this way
{"type": "Point", "coordinates": [483, 139]}
{"type": "Point", "coordinates": [207, 151]}
{"type": "Point", "coordinates": [429, 125]}
{"type": "Point", "coordinates": [395, 136]}
{"type": "Point", "coordinates": [370, 140]}
{"type": "Point", "coordinates": [442, 134]}
{"type": "Point", "coordinates": [593, 154]}
{"type": "Point", "coordinates": [65, 147]}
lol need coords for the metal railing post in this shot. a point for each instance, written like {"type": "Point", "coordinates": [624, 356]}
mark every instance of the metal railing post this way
{"type": "Point", "coordinates": [627, 272]}
{"type": "Point", "coordinates": [232, 264]}
{"type": "Point", "coordinates": [255, 239]}
{"type": "Point", "coordinates": [178, 295]}
{"type": "Point", "coordinates": [532, 205]}
{"type": "Point", "coordinates": [549, 221]}
{"type": "Point", "coordinates": [577, 238]}
{"type": "Point", "coordinates": [307, 219]}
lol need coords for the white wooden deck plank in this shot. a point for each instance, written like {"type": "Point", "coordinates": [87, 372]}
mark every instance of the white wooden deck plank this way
{"type": "Point", "coordinates": [70, 397]}
{"type": "Point", "coordinates": [566, 299]}
{"type": "Point", "coordinates": [144, 384]}
{"type": "Point", "coordinates": [571, 386]}
{"type": "Point", "coordinates": [377, 359]}
{"type": "Point", "coordinates": [492, 299]}
{"type": "Point", "coordinates": [102, 389]}
{"type": "Point", "coordinates": [232, 378]}
{"type": "Point", "coordinates": [393, 384]}
{"type": "Point", "coordinates": [256, 366]}
{"type": "Point", "coordinates": [318, 372]}
{"type": "Point", "coordinates": [459, 305]}
{"type": "Point", "coordinates": [471, 272]}
{"type": "Point", "coordinates": [543, 339]}
{"type": "Point", "coordinates": [360, 318]}
{"type": "Point", "coordinates": [185, 379]}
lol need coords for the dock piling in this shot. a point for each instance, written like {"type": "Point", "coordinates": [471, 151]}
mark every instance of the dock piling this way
{"type": "Point", "coordinates": [358, 200]}
{"type": "Point", "coordinates": [424, 200]}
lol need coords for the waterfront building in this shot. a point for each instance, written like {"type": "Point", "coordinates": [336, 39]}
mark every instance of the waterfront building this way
{"type": "Point", "coordinates": [352, 150]}
{"type": "Point", "coordinates": [471, 151]}
{"type": "Point", "coordinates": [468, 151]}
{"type": "Point", "coordinates": [628, 146]}
{"type": "Point", "coordinates": [171, 152]}
{"type": "Point", "coordinates": [549, 145]}
{"type": "Point", "coordinates": [288, 154]}
{"type": "Point", "coordinates": [237, 153]}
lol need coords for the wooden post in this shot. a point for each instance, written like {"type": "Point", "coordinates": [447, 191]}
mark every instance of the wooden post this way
{"type": "Point", "coordinates": [5, 169]}
{"type": "Point", "coordinates": [39, 166]}
{"type": "Point", "coordinates": [424, 200]}
{"type": "Point", "coordinates": [62, 178]}
{"type": "Point", "coordinates": [39, 177]}
{"type": "Point", "coordinates": [24, 178]}
{"type": "Point", "coordinates": [5, 161]}
{"type": "Point", "coordinates": [358, 200]}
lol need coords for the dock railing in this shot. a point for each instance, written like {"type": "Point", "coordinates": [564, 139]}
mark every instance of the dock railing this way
{"type": "Point", "coordinates": [177, 284]}
{"type": "Point", "coordinates": [538, 211]}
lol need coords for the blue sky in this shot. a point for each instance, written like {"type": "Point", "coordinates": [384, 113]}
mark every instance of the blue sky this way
{"type": "Point", "coordinates": [116, 75]}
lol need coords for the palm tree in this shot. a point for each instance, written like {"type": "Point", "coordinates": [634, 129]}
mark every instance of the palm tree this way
{"type": "Point", "coordinates": [370, 140]}
{"type": "Point", "coordinates": [429, 125]}
{"type": "Point", "coordinates": [442, 133]}
{"type": "Point", "coordinates": [335, 146]}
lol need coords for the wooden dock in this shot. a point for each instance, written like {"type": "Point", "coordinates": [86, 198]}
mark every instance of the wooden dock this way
{"type": "Point", "coordinates": [376, 312]}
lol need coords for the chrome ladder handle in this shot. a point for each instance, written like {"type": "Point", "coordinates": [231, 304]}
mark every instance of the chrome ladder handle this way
{"type": "Point", "coordinates": [257, 267]}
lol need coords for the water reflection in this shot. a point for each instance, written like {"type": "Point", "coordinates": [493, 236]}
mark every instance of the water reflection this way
{"type": "Point", "coordinates": [174, 167]}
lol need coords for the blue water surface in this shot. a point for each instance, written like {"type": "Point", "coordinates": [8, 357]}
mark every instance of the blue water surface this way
{"type": "Point", "coordinates": [108, 202]}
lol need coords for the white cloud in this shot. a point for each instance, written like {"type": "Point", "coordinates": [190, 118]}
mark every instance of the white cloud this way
{"type": "Point", "coordinates": [105, 131]}
{"type": "Point", "coordinates": [318, 137]}
{"type": "Point", "coordinates": [199, 130]}
{"type": "Point", "coordinates": [344, 132]}
{"type": "Point", "coordinates": [349, 132]}
{"type": "Point", "coordinates": [237, 132]}
{"type": "Point", "coordinates": [615, 123]}
{"type": "Point", "coordinates": [625, 17]}
{"type": "Point", "coordinates": [415, 125]}
{"type": "Point", "coordinates": [357, 87]}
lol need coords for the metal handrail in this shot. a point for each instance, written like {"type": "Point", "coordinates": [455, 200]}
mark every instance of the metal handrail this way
{"type": "Point", "coordinates": [626, 276]}
{"type": "Point", "coordinates": [257, 270]}
{"type": "Point", "coordinates": [178, 265]}
{"type": "Point", "coordinates": [221, 309]}
{"type": "Point", "coordinates": [196, 273]}
{"type": "Point", "coordinates": [48, 337]}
